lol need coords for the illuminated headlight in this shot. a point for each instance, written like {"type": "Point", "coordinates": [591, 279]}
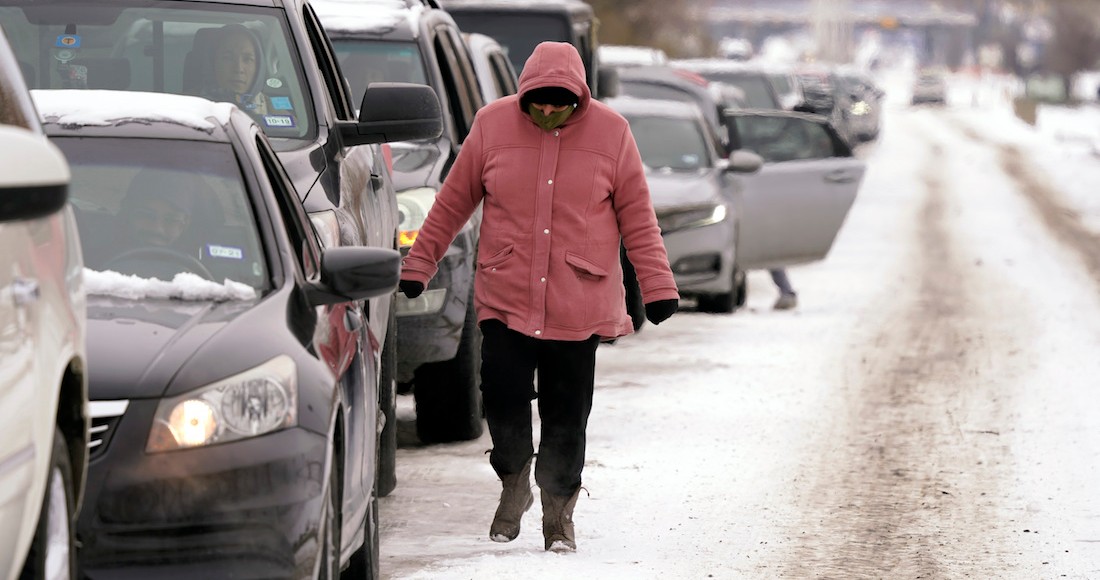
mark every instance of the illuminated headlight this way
{"type": "Point", "coordinates": [691, 218]}
{"type": "Point", "coordinates": [255, 402]}
{"type": "Point", "coordinates": [327, 227]}
{"type": "Point", "coordinates": [861, 108]}
{"type": "Point", "coordinates": [412, 210]}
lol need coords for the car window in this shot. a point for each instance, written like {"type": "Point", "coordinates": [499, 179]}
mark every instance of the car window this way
{"type": "Point", "coordinates": [679, 144]}
{"type": "Point", "coordinates": [779, 139]}
{"type": "Point", "coordinates": [157, 208]}
{"type": "Point", "coordinates": [371, 61]}
{"type": "Point", "coordinates": [457, 84]}
{"type": "Point", "coordinates": [517, 32]}
{"type": "Point", "coordinates": [503, 77]}
{"type": "Point", "coordinates": [223, 52]}
{"type": "Point", "coordinates": [758, 94]}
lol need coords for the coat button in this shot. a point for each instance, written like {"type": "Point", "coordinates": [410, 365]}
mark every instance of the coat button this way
{"type": "Point", "coordinates": [546, 231]}
{"type": "Point", "coordinates": [555, 133]}
{"type": "Point", "coordinates": [550, 182]}
{"type": "Point", "coordinates": [538, 332]}
{"type": "Point", "coordinates": [542, 279]}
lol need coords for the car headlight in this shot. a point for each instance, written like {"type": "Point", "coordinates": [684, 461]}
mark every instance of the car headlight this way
{"type": "Point", "coordinates": [256, 402]}
{"type": "Point", "coordinates": [412, 210]}
{"type": "Point", "coordinates": [695, 217]}
{"type": "Point", "coordinates": [327, 227]}
{"type": "Point", "coordinates": [861, 108]}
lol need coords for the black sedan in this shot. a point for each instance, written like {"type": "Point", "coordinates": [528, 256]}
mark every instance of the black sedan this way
{"type": "Point", "coordinates": [229, 440]}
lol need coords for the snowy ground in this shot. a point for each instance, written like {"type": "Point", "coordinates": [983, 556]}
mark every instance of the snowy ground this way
{"type": "Point", "coordinates": [928, 411]}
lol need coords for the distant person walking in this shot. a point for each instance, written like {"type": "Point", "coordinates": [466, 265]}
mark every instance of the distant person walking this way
{"type": "Point", "coordinates": [561, 183]}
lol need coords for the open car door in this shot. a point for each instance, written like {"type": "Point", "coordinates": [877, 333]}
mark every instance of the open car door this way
{"type": "Point", "coordinates": [792, 209]}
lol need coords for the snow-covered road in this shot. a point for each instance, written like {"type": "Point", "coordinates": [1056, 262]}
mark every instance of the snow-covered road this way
{"type": "Point", "coordinates": [929, 411]}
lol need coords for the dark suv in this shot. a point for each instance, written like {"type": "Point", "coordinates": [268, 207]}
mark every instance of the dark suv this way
{"type": "Point", "coordinates": [438, 339]}
{"type": "Point", "coordinates": [298, 96]}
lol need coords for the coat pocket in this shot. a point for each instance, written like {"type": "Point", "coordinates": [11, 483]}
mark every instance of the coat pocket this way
{"type": "Point", "coordinates": [585, 268]}
{"type": "Point", "coordinates": [496, 258]}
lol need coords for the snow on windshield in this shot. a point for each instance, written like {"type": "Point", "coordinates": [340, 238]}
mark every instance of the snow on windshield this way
{"type": "Point", "coordinates": [92, 108]}
{"type": "Point", "coordinates": [184, 286]}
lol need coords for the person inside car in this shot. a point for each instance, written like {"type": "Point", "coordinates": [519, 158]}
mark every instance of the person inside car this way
{"type": "Point", "coordinates": [233, 75]}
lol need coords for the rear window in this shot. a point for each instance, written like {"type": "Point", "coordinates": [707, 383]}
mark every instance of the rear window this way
{"type": "Point", "coordinates": [368, 61]}
{"type": "Point", "coordinates": [517, 32]}
{"type": "Point", "coordinates": [222, 52]}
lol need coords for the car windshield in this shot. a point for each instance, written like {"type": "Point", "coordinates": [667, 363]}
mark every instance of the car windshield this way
{"type": "Point", "coordinates": [666, 142]}
{"type": "Point", "coordinates": [156, 208]}
{"type": "Point", "coordinates": [517, 33]}
{"type": "Point", "coordinates": [223, 52]}
{"type": "Point", "coordinates": [372, 61]}
{"type": "Point", "coordinates": [757, 95]}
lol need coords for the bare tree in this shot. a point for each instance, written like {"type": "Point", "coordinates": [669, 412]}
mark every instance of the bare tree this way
{"type": "Point", "coordinates": [671, 25]}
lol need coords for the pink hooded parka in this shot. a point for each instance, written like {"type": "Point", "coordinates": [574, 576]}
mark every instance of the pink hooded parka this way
{"type": "Point", "coordinates": [556, 204]}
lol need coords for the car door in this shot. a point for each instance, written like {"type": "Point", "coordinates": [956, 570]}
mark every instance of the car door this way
{"type": "Point", "coordinates": [792, 209]}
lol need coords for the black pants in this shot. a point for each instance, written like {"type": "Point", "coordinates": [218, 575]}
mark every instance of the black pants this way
{"type": "Point", "coordinates": [566, 372]}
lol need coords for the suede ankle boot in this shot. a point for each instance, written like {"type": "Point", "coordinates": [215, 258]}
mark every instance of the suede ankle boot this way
{"type": "Point", "coordinates": [557, 521]}
{"type": "Point", "coordinates": [515, 499]}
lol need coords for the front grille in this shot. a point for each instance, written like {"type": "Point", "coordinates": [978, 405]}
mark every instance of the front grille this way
{"type": "Point", "coordinates": [105, 417]}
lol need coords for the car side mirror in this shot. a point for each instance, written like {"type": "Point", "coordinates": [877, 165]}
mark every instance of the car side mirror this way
{"type": "Point", "coordinates": [355, 273]}
{"type": "Point", "coordinates": [744, 161]}
{"type": "Point", "coordinates": [608, 82]}
{"type": "Point", "coordinates": [34, 176]}
{"type": "Point", "coordinates": [395, 112]}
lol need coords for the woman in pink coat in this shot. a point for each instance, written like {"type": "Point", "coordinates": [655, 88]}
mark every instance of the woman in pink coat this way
{"type": "Point", "coordinates": [561, 183]}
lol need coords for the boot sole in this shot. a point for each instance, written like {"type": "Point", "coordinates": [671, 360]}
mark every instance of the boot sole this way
{"type": "Point", "coordinates": [561, 547]}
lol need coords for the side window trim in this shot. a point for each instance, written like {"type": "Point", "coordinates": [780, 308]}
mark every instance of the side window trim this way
{"type": "Point", "coordinates": [295, 220]}
{"type": "Point", "coordinates": [326, 62]}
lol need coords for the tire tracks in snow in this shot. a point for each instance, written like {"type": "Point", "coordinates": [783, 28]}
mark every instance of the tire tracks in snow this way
{"type": "Point", "coordinates": [1063, 223]}
{"type": "Point", "coordinates": [913, 466]}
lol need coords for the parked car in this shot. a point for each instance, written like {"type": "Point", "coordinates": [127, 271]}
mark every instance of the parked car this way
{"type": "Point", "coordinates": [825, 96]}
{"type": "Point", "coordinates": [758, 88]}
{"type": "Point", "coordinates": [792, 209]}
{"type": "Point", "coordinates": [930, 88]}
{"type": "Point", "coordinates": [669, 84]}
{"type": "Point", "coordinates": [298, 96]}
{"type": "Point", "coordinates": [618, 55]}
{"type": "Point", "coordinates": [439, 343]}
{"type": "Point", "coordinates": [865, 112]}
{"type": "Point", "coordinates": [495, 74]}
{"type": "Point", "coordinates": [695, 195]}
{"type": "Point", "coordinates": [786, 85]}
{"type": "Point", "coordinates": [228, 425]}
{"type": "Point", "coordinates": [43, 397]}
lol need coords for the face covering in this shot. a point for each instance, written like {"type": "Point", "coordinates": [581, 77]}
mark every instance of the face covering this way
{"type": "Point", "coordinates": [550, 121]}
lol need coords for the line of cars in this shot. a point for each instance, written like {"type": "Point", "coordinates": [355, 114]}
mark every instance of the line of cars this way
{"type": "Point", "coordinates": [240, 262]}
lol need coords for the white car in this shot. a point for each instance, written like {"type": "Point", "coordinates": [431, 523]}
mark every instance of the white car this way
{"type": "Point", "coordinates": [43, 389]}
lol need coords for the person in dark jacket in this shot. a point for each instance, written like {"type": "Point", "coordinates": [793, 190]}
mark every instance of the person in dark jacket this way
{"type": "Point", "coordinates": [561, 183]}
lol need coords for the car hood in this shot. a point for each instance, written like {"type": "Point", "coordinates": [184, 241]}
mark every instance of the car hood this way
{"type": "Point", "coordinates": [671, 190]}
{"type": "Point", "coordinates": [137, 347]}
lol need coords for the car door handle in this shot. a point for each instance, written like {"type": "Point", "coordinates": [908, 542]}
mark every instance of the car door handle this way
{"type": "Point", "coordinates": [840, 176]}
{"type": "Point", "coordinates": [376, 182]}
{"type": "Point", "coordinates": [24, 291]}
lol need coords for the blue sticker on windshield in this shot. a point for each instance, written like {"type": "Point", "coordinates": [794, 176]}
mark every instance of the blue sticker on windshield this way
{"type": "Point", "coordinates": [67, 41]}
{"type": "Point", "coordinates": [690, 159]}
{"type": "Point", "coordinates": [279, 121]}
{"type": "Point", "coordinates": [281, 103]}
{"type": "Point", "coordinates": [227, 252]}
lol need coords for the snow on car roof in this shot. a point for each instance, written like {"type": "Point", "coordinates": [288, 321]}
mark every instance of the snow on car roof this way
{"type": "Point", "coordinates": [362, 15]}
{"type": "Point", "coordinates": [97, 108]}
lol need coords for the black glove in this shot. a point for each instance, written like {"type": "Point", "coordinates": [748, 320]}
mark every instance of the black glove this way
{"type": "Point", "coordinates": [410, 288]}
{"type": "Point", "coordinates": [658, 311]}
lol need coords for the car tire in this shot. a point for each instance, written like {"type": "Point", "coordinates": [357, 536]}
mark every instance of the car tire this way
{"type": "Point", "coordinates": [52, 553]}
{"type": "Point", "coordinates": [448, 393]}
{"type": "Point", "coordinates": [727, 302]}
{"type": "Point", "coordinates": [364, 563]}
{"type": "Point", "coordinates": [386, 480]}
